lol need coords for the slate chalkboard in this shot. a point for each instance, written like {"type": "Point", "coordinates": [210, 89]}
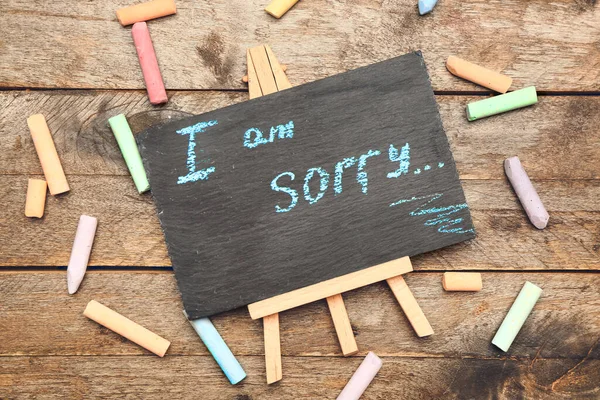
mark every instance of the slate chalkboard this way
{"type": "Point", "coordinates": [305, 185]}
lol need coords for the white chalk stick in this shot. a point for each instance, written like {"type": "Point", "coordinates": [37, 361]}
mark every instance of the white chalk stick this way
{"type": "Point", "coordinates": [80, 255]}
{"type": "Point", "coordinates": [362, 378]}
{"type": "Point", "coordinates": [526, 192]}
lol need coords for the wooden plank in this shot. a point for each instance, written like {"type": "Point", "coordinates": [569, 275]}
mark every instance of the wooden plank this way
{"type": "Point", "coordinates": [566, 320]}
{"type": "Point", "coordinates": [553, 136]}
{"type": "Point", "coordinates": [409, 305]}
{"type": "Point", "coordinates": [549, 44]}
{"type": "Point", "coordinates": [272, 348]}
{"type": "Point", "coordinates": [129, 233]}
{"type": "Point", "coordinates": [151, 378]}
{"type": "Point", "coordinates": [342, 325]}
{"type": "Point", "coordinates": [324, 289]}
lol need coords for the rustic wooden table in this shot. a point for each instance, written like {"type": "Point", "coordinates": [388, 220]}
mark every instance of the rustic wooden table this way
{"type": "Point", "coordinates": [73, 62]}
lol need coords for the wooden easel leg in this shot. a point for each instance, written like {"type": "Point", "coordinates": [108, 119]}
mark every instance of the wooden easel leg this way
{"type": "Point", "coordinates": [342, 324]}
{"type": "Point", "coordinates": [272, 348]}
{"type": "Point", "coordinates": [410, 306]}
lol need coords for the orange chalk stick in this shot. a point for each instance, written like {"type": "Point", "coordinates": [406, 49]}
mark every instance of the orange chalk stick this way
{"type": "Point", "coordinates": [462, 281]}
{"type": "Point", "coordinates": [126, 327]}
{"type": "Point", "coordinates": [146, 11]}
{"type": "Point", "coordinates": [479, 75]}
{"type": "Point", "coordinates": [44, 145]}
{"type": "Point", "coordinates": [36, 198]}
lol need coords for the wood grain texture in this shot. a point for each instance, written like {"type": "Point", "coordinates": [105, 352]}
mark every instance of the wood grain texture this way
{"type": "Point", "coordinates": [550, 44]}
{"type": "Point", "coordinates": [556, 139]}
{"type": "Point", "coordinates": [129, 233]}
{"type": "Point", "coordinates": [308, 377]}
{"type": "Point", "coordinates": [39, 318]}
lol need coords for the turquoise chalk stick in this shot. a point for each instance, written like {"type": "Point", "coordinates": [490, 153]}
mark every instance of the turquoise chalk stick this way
{"type": "Point", "coordinates": [516, 316]}
{"type": "Point", "coordinates": [502, 103]}
{"type": "Point", "coordinates": [219, 350]}
{"type": "Point", "coordinates": [130, 151]}
{"type": "Point", "coordinates": [426, 6]}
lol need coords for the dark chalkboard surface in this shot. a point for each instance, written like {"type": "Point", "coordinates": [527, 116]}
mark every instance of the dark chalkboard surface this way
{"type": "Point", "coordinates": [305, 185]}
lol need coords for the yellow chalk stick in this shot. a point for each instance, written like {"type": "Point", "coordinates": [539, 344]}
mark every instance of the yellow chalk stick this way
{"type": "Point", "coordinates": [279, 7]}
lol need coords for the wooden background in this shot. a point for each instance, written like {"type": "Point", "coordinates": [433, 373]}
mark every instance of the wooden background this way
{"type": "Point", "coordinates": [74, 63]}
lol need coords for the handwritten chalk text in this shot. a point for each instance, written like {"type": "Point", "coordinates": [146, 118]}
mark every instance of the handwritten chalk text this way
{"type": "Point", "coordinates": [193, 175]}
{"type": "Point", "coordinates": [253, 137]}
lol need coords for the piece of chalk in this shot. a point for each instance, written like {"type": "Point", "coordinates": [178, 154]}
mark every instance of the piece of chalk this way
{"type": "Point", "coordinates": [80, 254]}
{"type": "Point", "coordinates": [462, 281]}
{"type": "Point", "coordinates": [146, 11]}
{"type": "Point", "coordinates": [126, 328]}
{"type": "Point", "coordinates": [479, 75]}
{"type": "Point", "coordinates": [36, 198]}
{"type": "Point", "coordinates": [362, 378]}
{"type": "Point", "coordinates": [426, 6]}
{"type": "Point", "coordinates": [130, 151]}
{"type": "Point", "coordinates": [44, 146]}
{"type": "Point", "coordinates": [516, 316]}
{"type": "Point", "coordinates": [149, 63]}
{"type": "Point", "coordinates": [501, 103]}
{"type": "Point", "coordinates": [526, 192]}
{"type": "Point", "coordinates": [219, 350]}
{"type": "Point", "coordinates": [279, 7]}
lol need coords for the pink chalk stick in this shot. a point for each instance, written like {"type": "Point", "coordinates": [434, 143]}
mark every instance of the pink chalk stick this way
{"type": "Point", "coordinates": [149, 64]}
{"type": "Point", "coordinates": [361, 379]}
{"type": "Point", "coordinates": [80, 255]}
{"type": "Point", "coordinates": [526, 192]}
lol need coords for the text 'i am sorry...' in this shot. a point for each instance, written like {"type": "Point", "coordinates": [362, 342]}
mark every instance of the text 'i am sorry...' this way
{"type": "Point", "coordinates": [283, 182]}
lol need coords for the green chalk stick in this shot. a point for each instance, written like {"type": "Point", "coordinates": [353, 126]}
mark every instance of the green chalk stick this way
{"type": "Point", "coordinates": [516, 316]}
{"type": "Point", "coordinates": [502, 103]}
{"type": "Point", "coordinates": [130, 151]}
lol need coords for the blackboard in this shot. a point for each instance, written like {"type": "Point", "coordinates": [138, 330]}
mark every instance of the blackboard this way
{"type": "Point", "coordinates": [304, 185]}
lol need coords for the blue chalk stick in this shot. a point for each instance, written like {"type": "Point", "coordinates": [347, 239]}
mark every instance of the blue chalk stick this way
{"type": "Point", "coordinates": [426, 6]}
{"type": "Point", "coordinates": [219, 350]}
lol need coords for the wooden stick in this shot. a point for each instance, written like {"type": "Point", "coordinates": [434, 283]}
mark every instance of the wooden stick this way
{"type": "Point", "coordinates": [410, 306]}
{"type": "Point", "coordinates": [342, 324]}
{"type": "Point", "coordinates": [280, 77]}
{"type": "Point", "coordinates": [272, 348]}
{"type": "Point", "coordinates": [328, 288]}
{"type": "Point", "coordinates": [253, 85]}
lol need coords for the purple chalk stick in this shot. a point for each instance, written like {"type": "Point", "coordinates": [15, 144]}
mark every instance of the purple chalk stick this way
{"type": "Point", "coordinates": [526, 192]}
{"type": "Point", "coordinates": [361, 379]}
{"type": "Point", "coordinates": [80, 255]}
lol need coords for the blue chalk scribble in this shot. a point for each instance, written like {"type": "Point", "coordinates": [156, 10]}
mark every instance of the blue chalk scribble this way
{"type": "Point", "coordinates": [339, 170]}
{"type": "Point", "coordinates": [361, 176]}
{"type": "Point", "coordinates": [441, 164]}
{"type": "Point", "coordinates": [323, 184]}
{"type": "Point", "coordinates": [293, 193]}
{"type": "Point", "coordinates": [441, 215]}
{"type": "Point", "coordinates": [403, 157]}
{"type": "Point", "coordinates": [194, 175]}
{"type": "Point", "coordinates": [427, 167]}
{"type": "Point", "coordinates": [280, 131]}
{"type": "Point", "coordinates": [417, 171]}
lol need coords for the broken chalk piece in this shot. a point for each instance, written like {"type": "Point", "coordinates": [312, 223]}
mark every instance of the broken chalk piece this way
{"type": "Point", "coordinates": [279, 7]}
{"type": "Point", "coordinates": [36, 198]}
{"type": "Point", "coordinates": [426, 6]}
{"type": "Point", "coordinates": [219, 350]}
{"type": "Point", "coordinates": [149, 63]}
{"type": "Point", "coordinates": [516, 316]}
{"type": "Point", "coordinates": [80, 254]}
{"type": "Point", "coordinates": [130, 151]}
{"type": "Point", "coordinates": [526, 192]}
{"type": "Point", "coordinates": [362, 378]}
{"type": "Point", "coordinates": [146, 11]}
{"type": "Point", "coordinates": [502, 103]}
{"type": "Point", "coordinates": [462, 281]}
{"type": "Point", "coordinates": [479, 75]}
{"type": "Point", "coordinates": [44, 146]}
{"type": "Point", "coordinates": [126, 328]}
